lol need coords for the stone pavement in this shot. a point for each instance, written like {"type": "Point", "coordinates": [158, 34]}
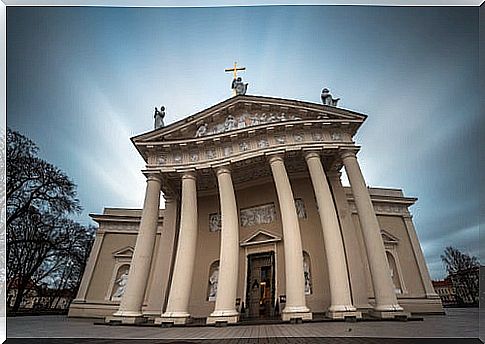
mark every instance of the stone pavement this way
{"type": "Point", "coordinates": [458, 323]}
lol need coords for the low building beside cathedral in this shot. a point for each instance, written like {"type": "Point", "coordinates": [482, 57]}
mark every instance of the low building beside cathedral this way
{"type": "Point", "coordinates": [256, 224]}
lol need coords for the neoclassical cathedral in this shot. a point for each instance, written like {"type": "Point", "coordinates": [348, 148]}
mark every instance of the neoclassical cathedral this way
{"type": "Point", "coordinates": [256, 224]}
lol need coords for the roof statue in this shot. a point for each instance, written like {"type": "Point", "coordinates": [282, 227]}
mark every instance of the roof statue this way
{"type": "Point", "coordinates": [159, 116]}
{"type": "Point", "coordinates": [238, 87]}
{"type": "Point", "coordinates": [327, 98]}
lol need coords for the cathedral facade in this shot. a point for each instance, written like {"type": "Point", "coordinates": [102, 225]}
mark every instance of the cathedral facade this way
{"type": "Point", "coordinates": [256, 225]}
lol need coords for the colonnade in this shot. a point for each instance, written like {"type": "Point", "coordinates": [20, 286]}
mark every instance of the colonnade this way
{"type": "Point", "coordinates": [177, 310]}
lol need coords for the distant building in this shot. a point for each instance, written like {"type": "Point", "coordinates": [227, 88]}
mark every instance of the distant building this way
{"type": "Point", "coordinates": [40, 298]}
{"type": "Point", "coordinates": [459, 289]}
{"type": "Point", "coordinates": [30, 294]}
{"type": "Point", "coordinates": [446, 291]}
{"type": "Point", "coordinates": [466, 284]}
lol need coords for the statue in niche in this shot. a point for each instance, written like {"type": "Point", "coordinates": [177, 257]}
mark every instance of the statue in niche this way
{"type": "Point", "coordinates": [300, 208]}
{"type": "Point", "coordinates": [239, 87]}
{"type": "Point", "coordinates": [201, 130]}
{"type": "Point", "coordinates": [327, 98]}
{"type": "Point", "coordinates": [230, 123]}
{"type": "Point", "coordinates": [159, 116]}
{"type": "Point", "coordinates": [213, 281]}
{"type": "Point", "coordinates": [308, 277]}
{"type": "Point", "coordinates": [121, 283]}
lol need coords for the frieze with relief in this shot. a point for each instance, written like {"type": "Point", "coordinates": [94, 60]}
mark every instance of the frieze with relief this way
{"type": "Point", "coordinates": [259, 215]}
{"type": "Point", "coordinates": [382, 208]}
{"type": "Point", "coordinates": [262, 214]}
{"type": "Point", "coordinates": [200, 153]}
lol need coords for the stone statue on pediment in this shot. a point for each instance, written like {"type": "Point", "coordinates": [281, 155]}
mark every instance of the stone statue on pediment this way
{"type": "Point", "coordinates": [327, 98]}
{"type": "Point", "coordinates": [239, 87]}
{"type": "Point", "coordinates": [201, 130]}
{"type": "Point", "coordinates": [230, 123]}
{"type": "Point", "coordinates": [159, 116]}
{"type": "Point", "coordinates": [241, 123]}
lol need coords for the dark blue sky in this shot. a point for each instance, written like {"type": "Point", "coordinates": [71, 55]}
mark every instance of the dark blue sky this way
{"type": "Point", "coordinates": [82, 81]}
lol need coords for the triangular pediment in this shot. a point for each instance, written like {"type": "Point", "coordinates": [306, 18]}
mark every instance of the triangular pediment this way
{"type": "Point", "coordinates": [240, 112]}
{"type": "Point", "coordinates": [125, 252]}
{"type": "Point", "coordinates": [260, 237]}
{"type": "Point", "coordinates": [388, 238]}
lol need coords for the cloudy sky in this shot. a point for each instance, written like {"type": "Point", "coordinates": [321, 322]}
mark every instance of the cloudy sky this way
{"type": "Point", "coordinates": [82, 81]}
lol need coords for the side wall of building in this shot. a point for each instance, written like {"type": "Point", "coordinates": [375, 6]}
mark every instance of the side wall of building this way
{"type": "Point", "coordinates": [110, 257]}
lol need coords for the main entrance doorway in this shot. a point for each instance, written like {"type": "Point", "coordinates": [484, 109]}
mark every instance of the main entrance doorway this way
{"type": "Point", "coordinates": [260, 290]}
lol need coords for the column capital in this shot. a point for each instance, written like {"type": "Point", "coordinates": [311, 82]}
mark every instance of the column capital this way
{"type": "Point", "coordinates": [189, 175]}
{"type": "Point", "coordinates": [276, 157]}
{"type": "Point", "coordinates": [153, 175]}
{"type": "Point", "coordinates": [348, 153]}
{"type": "Point", "coordinates": [226, 168]}
{"type": "Point", "coordinates": [311, 154]}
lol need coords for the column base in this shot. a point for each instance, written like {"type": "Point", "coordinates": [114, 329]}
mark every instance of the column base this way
{"type": "Point", "coordinates": [229, 317]}
{"type": "Point", "coordinates": [343, 312]}
{"type": "Point", "coordinates": [389, 312]}
{"type": "Point", "coordinates": [290, 313]}
{"type": "Point", "coordinates": [125, 319]}
{"type": "Point", "coordinates": [174, 318]}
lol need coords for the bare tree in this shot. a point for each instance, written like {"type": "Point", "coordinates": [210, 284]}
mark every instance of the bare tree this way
{"type": "Point", "coordinates": [42, 242]}
{"type": "Point", "coordinates": [33, 182]}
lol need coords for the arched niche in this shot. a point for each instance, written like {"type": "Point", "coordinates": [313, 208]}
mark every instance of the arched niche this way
{"type": "Point", "coordinates": [307, 271]}
{"type": "Point", "coordinates": [212, 281]}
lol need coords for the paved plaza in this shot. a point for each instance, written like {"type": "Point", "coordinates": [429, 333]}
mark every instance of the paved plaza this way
{"type": "Point", "coordinates": [458, 323]}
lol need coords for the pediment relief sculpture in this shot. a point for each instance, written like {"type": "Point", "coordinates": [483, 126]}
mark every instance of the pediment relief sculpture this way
{"type": "Point", "coordinates": [234, 122]}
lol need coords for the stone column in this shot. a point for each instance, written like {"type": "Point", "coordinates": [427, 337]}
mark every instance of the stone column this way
{"type": "Point", "coordinates": [225, 307]}
{"type": "Point", "coordinates": [160, 272]}
{"type": "Point", "coordinates": [177, 311]}
{"type": "Point", "coordinates": [356, 259]}
{"type": "Point", "coordinates": [418, 254]}
{"type": "Point", "coordinates": [131, 303]}
{"type": "Point", "coordinates": [386, 304]}
{"type": "Point", "coordinates": [295, 281]}
{"type": "Point", "coordinates": [341, 301]}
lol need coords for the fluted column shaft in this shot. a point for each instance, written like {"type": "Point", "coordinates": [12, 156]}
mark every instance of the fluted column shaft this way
{"type": "Point", "coordinates": [341, 301]}
{"type": "Point", "coordinates": [178, 301]}
{"type": "Point", "coordinates": [385, 296]}
{"type": "Point", "coordinates": [132, 300]}
{"type": "Point", "coordinates": [294, 275]}
{"type": "Point", "coordinates": [225, 308]}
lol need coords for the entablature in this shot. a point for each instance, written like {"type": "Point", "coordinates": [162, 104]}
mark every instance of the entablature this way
{"type": "Point", "coordinates": [247, 143]}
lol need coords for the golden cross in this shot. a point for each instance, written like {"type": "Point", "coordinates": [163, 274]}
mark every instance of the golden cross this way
{"type": "Point", "coordinates": [234, 69]}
